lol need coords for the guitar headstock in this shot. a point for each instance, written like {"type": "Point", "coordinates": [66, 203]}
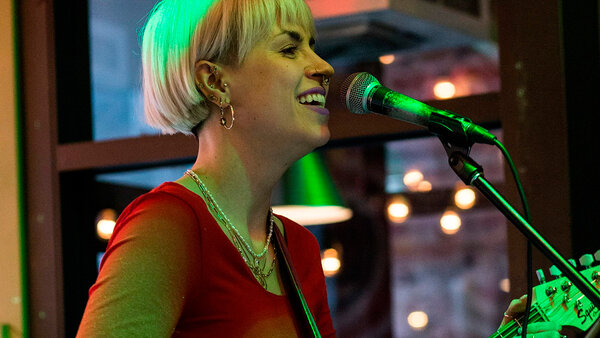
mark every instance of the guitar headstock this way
{"type": "Point", "coordinates": [560, 301]}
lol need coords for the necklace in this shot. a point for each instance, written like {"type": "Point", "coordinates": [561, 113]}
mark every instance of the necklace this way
{"type": "Point", "coordinates": [254, 260]}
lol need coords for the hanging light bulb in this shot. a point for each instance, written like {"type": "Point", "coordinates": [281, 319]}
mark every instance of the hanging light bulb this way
{"type": "Point", "coordinates": [330, 262]}
{"type": "Point", "coordinates": [465, 197]}
{"type": "Point", "coordinates": [398, 209]}
{"type": "Point", "coordinates": [424, 186]}
{"type": "Point", "coordinates": [444, 89]}
{"type": "Point", "coordinates": [105, 223]}
{"type": "Point", "coordinates": [412, 178]}
{"type": "Point", "coordinates": [387, 59]}
{"type": "Point", "coordinates": [450, 222]}
{"type": "Point", "coordinates": [418, 320]}
{"type": "Point", "coordinates": [504, 285]}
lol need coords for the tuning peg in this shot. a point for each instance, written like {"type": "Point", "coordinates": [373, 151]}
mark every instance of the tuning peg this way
{"type": "Point", "coordinates": [586, 260]}
{"type": "Point", "coordinates": [555, 272]}
{"type": "Point", "coordinates": [572, 261]}
{"type": "Point", "coordinates": [540, 276]}
{"type": "Point", "coordinates": [597, 256]}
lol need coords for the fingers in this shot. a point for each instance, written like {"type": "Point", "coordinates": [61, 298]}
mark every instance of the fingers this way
{"type": "Point", "coordinates": [515, 307]}
{"type": "Point", "coordinates": [548, 334]}
{"type": "Point", "coordinates": [543, 326]}
{"type": "Point", "coordinates": [543, 330]}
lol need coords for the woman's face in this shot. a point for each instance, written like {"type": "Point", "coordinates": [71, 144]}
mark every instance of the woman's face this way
{"type": "Point", "coordinates": [269, 92]}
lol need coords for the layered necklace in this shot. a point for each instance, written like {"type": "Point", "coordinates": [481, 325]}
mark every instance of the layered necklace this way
{"type": "Point", "coordinates": [257, 262]}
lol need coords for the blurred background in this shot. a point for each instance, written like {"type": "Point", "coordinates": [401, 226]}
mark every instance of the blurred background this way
{"type": "Point", "coordinates": [407, 249]}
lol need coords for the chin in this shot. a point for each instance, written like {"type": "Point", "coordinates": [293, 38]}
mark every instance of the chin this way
{"type": "Point", "coordinates": [318, 137]}
{"type": "Point", "coordinates": [325, 136]}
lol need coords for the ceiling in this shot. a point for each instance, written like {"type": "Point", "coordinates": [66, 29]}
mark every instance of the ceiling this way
{"type": "Point", "coordinates": [359, 31]}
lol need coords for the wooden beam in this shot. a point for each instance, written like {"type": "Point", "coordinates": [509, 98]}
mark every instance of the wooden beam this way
{"type": "Point", "coordinates": [534, 125]}
{"type": "Point", "coordinates": [44, 251]}
{"type": "Point", "coordinates": [126, 152]}
{"type": "Point", "coordinates": [172, 148]}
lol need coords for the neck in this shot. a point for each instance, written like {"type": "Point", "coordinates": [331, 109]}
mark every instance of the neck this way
{"type": "Point", "coordinates": [241, 179]}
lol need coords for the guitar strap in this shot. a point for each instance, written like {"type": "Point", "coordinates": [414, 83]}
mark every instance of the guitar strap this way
{"type": "Point", "coordinates": [304, 318]}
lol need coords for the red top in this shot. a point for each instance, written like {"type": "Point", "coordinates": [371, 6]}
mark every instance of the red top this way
{"type": "Point", "coordinates": [169, 270]}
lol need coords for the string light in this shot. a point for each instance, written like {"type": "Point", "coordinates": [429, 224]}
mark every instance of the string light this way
{"type": "Point", "coordinates": [464, 197]}
{"type": "Point", "coordinates": [504, 285]}
{"type": "Point", "coordinates": [450, 222]}
{"type": "Point", "coordinates": [424, 186]}
{"type": "Point", "coordinates": [398, 209]}
{"type": "Point", "coordinates": [412, 178]}
{"type": "Point", "coordinates": [330, 262]}
{"type": "Point", "coordinates": [387, 59]}
{"type": "Point", "coordinates": [105, 223]}
{"type": "Point", "coordinates": [418, 320]}
{"type": "Point", "coordinates": [444, 89]}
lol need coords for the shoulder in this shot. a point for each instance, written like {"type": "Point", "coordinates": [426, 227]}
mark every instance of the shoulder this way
{"type": "Point", "coordinates": [150, 268]}
{"type": "Point", "coordinates": [168, 201]}
{"type": "Point", "coordinates": [164, 217]}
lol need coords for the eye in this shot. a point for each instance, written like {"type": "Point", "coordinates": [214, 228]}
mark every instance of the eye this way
{"type": "Point", "coordinates": [289, 51]}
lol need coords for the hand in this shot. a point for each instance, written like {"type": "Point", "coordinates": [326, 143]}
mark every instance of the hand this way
{"type": "Point", "coordinates": [534, 330]}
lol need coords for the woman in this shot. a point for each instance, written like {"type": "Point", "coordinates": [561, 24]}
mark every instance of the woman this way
{"type": "Point", "coordinates": [196, 257]}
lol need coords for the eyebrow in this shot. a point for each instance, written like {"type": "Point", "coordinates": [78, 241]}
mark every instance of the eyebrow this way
{"type": "Point", "coordinates": [297, 37]}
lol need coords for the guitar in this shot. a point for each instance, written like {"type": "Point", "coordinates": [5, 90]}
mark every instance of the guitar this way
{"type": "Point", "coordinates": [561, 302]}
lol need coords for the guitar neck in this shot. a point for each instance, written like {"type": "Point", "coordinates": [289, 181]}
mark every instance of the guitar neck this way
{"type": "Point", "coordinates": [512, 329]}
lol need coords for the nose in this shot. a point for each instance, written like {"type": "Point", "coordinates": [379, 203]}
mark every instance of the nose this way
{"type": "Point", "coordinates": [320, 70]}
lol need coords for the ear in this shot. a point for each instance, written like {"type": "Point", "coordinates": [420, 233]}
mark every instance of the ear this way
{"type": "Point", "coordinates": [210, 81]}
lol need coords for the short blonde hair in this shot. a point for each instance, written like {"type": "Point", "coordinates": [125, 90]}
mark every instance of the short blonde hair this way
{"type": "Point", "coordinates": [178, 33]}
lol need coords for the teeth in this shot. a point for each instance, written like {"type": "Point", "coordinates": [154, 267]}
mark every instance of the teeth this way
{"type": "Point", "coordinates": [312, 97]}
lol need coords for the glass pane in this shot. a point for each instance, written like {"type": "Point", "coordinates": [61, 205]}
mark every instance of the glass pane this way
{"type": "Point", "coordinates": [447, 279]}
{"type": "Point", "coordinates": [451, 53]}
{"type": "Point", "coordinates": [443, 73]}
{"type": "Point", "coordinates": [145, 178]}
{"type": "Point", "coordinates": [117, 109]}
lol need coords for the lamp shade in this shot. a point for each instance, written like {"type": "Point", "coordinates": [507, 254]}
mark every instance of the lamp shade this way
{"type": "Point", "coordinates": [309, 196]}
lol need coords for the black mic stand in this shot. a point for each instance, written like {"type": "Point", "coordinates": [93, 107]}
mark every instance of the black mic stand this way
{"type": "Point", "coordinates": [471, 173]}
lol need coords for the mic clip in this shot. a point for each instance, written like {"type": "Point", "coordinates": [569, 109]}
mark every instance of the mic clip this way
{"type": "Point", "coordinates": [458, 130]}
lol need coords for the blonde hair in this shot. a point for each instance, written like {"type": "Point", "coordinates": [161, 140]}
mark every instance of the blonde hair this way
{"type": "Point", "coordinates": [178, 33]}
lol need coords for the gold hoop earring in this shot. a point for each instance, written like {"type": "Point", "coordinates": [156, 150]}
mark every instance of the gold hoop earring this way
{"type": "Point", "coordinates": [223, 121]}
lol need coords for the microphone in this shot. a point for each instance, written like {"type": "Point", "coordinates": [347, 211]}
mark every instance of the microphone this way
{"type": "Point", "coordinates": [362, 94]}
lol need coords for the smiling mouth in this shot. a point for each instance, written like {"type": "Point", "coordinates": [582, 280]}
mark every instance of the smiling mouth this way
{"type": "Point", "coordinates": [316, 99]}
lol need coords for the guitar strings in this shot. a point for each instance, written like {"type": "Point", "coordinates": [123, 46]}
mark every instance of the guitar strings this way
{"type": "Point", "coordinates": [537, 314]}
{"type": "Point", "coordinates": [511, 329]}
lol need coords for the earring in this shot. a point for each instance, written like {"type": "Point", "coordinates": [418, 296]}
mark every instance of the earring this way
{"type": "Point", "coordinates": [223, 121]}
{"type": "Point", "coordinates": [325, 80]}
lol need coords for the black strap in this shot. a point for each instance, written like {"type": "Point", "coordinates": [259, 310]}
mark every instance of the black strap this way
{"type": "Point", "coordinates": [305, 320]}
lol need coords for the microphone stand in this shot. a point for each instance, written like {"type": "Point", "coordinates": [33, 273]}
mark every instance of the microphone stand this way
{"type": "Point", "coordinates": [471, 173]}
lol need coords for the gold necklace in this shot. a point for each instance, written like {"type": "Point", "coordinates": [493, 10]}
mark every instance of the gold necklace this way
{"type": "Point", "coordinates": [254, 261]}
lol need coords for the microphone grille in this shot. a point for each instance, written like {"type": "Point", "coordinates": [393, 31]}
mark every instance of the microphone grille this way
{"type": "Point", "coordinates": [352, 91]}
